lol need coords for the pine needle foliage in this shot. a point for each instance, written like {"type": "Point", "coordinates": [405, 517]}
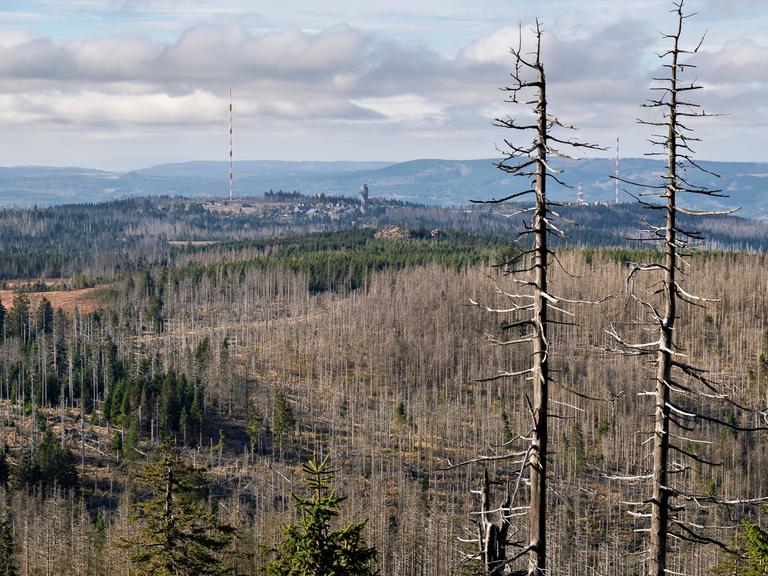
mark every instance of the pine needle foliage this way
{"type": "Point", "coordinates": [751, 557]}
{"type": "Point", "coordinates": [756, 549]}
{"type": "Point", "coordinates": [311, 547]}
{"type": "Point", "coordinates": [50, 465]}
{"type": "Point", "coordinates": [175, 534]}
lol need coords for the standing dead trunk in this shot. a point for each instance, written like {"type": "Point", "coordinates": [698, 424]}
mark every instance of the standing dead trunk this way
{"type": "Point", "coordinates": [530, 303]}
{"type": "Point", "coordinates": [676, 381]}
{"type": "Point", "coordinates": [538, 453]}
{"type": "Point", "coordinates": [660, 498]}
{"type": "Point", "coordinates": [493, 534]}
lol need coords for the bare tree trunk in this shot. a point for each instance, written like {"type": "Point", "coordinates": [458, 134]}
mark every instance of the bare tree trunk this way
{"type": "Point", "coordinates": [493, 536]}
{"type": "Point", "coordinates": [538, 456]}
{"type": "Point", "coordinates": [660, 498]}
{"type": "Point", "coordinates": [675, 377]}
{"type": "Point", "coordinates": [531, 299]}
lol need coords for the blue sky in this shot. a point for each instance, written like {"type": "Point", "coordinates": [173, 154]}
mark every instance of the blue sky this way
{"type": "Point", "coordinates": [122, 84]}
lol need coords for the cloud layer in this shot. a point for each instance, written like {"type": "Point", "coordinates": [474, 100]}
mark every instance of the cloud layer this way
{"type": "Point", "coordinates": [323, 93]}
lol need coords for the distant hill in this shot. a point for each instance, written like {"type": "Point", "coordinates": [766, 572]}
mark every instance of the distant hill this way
{"type": "Point", "coordinates": [428, 181]}
{"type": "Point", "coordinates": [256, 169]}
{"type": "Point", "coordinates": [44, 186]}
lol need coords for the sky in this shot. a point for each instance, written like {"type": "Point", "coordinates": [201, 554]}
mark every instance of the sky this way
{"type": "Point", "coordinates": [124, 84]}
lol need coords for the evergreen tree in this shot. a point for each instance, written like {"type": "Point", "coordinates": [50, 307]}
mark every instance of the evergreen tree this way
{"type": "Point", "coordinates": [26, 472]}
{"type": "Point", "coordinates": [18, 318]}
{"type": "Point", "coordinates": [51, 464]}
{"type": "Point", "coordinates": [756, 550]}
{"type": "Point", "coordinates": [283, 420]}
{"type": "Point", "coordinates": [169, 404]}
{"type": "Point", "coordinates": [7, 543]}
{"type": "Point", "coordinates": [116, 444]}
{"type": "Point", "coordinates": [56, 463]}
{"type": "Point", "coordinates": [195, 420]}
{"type": "Point", "coordinates": [175, 534]}
{"type": "Point", "coordinates": [154, 312]}
{"type": "Point", "coordinates": [44, 317]}
{"type": "Point", "coordinates": [3, 313]}
{"type": "Point", "coordinates": [4, 468]}
{"type": "Point", "coordinates": [311, 548]}
{"type": "Point", "coordinates": [751, 558]}
{"type": "Point", "coordinates": [131, 440]}
{"type": "Point", "coordinates": [203, 354]}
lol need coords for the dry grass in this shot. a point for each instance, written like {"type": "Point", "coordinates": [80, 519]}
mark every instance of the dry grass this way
{"type": "Point", "coordinates": [24, 282]}
{"type": "Point", "coordinates": [86, 299]}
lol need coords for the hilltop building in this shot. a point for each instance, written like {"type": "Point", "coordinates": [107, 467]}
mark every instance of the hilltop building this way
{"type": "Point", "coordinates": [364, 198]}
{"type": "Point", "coordinates": [580, 197]}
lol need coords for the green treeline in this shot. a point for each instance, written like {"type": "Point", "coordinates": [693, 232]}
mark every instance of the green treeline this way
{"type": "Point", "coordinates": [178, 403]}
{"type": "Point", "coordinates": [49, 465]}
{"type": "Point", "coordinates": [73, 362]}
{"type": "Point", "coordinates": [345, 260]}
{"type": "Point", "coordinates": [100, 241]}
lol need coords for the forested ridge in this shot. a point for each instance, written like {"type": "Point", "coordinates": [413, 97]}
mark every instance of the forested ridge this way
{"type": "Point", "coordinates": [86, 243]}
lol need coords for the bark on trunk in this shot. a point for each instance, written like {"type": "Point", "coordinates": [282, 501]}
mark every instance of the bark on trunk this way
{"type": "Point", "coordinates": [493, 540]}
{"type": "Point", "coordinates": [538, 458]}
{"type": "Point", "coordinates": [660, 499]}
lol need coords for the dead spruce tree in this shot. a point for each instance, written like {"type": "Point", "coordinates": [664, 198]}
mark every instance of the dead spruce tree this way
{"type": "Point", "coordinates": [681, 390]}
{"type": "Point", "coordinates": [529, 310]}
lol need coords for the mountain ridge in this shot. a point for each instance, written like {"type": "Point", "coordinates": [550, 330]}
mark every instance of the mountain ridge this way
{"type": "Point", "coordinates": [425, 181]}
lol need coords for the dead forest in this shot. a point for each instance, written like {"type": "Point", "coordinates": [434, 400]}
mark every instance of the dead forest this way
{"type": "Point", "coordinates": [384, 379]}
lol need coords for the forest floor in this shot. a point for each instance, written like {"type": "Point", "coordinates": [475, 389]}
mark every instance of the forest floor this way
{"type": "Point", "coordinates": [103, 473]}
{"type": "Point", "coordinates": [182, 331]}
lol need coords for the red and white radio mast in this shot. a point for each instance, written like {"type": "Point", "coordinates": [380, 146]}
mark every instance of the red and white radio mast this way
{"type": "Point", "coordinates": [230, 144]}
{"type": "Point", "coordinates": [617, 170]}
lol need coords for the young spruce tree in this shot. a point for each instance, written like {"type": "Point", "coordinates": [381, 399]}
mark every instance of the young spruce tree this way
{"type": "Point", "coordinates": [175, 534]}
{"type": "Point", "coordinates": [311, 548]}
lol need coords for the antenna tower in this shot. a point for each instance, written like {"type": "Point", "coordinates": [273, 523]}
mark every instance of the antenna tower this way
{"type": "Point", "coordinates": [617, 170]}
{"type": "Point", "coordinates": [230, 144]}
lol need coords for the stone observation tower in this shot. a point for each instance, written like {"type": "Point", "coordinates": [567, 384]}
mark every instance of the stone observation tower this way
{"type": "Point", "coordinates": [364, 198]}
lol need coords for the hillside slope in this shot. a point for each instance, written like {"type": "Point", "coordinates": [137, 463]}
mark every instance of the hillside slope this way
{"type": "Point", "coordinates": [427, 181]}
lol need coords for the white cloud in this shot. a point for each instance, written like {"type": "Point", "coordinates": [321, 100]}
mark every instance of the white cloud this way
{"type": "Point", "coordinates": [343, 81]}
{"type": "Point", "coordinates": [11, 37]}
{"type": "Point", "coordinates": [122, 57]}
{"type": "Point", "coordinates": [86, 108]}
{"type": "Point", "coordinates": [405, 107]}
{"type": "Point", "coordinates": [493, 48]}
